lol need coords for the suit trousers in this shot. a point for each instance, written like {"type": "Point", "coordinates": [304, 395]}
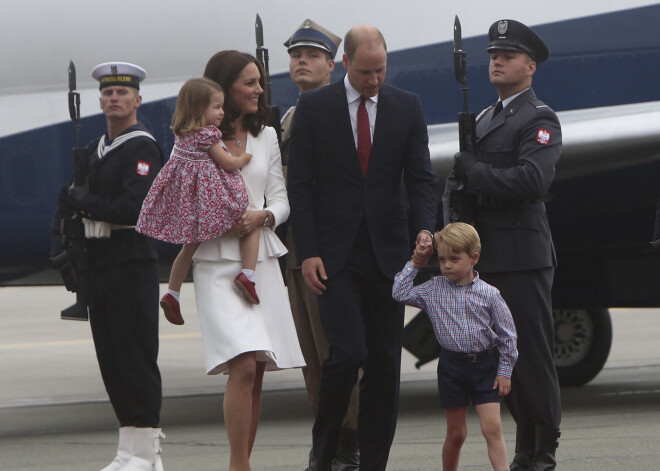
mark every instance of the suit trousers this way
{"type": "Point", "coordinates": [363, 325]}
{"type": "Point", "coordinates": [535, 397]}
{"type": "Point", "coordinates": [313, 344]}
{"type": "Point", "coordinates": [123, 314]}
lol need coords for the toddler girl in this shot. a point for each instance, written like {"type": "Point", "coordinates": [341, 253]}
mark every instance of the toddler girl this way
{"type": "Point", "coordinates": [199, 194]}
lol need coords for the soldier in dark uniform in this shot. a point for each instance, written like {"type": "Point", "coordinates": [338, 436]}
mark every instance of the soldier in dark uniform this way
{"type": "Point", "coordinates": [509, 175]}
{"type": "Point", "coordinates": [312, 50]}
{"type": "Point", "coordinates": [122, 266]}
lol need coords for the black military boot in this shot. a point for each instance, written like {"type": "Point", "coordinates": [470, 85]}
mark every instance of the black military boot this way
{"type": "Point", "coordinates": [348, 451]}
{"type": "Point", "coordinates": [316, 464]}
{"type": "Point", "coordinates": [546, 445]}
{"type": "Point", "coordinates": [524, 458]}
{"type": "Point", "coordinates": [522, 461]}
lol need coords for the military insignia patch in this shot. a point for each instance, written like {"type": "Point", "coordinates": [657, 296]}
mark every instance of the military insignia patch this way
{"type": "Point", "coordinates": [543, 136]}
{"type": "Point", "coordinates": [142, 168]}
{"type": "Point", "coordinates": [502, 27]}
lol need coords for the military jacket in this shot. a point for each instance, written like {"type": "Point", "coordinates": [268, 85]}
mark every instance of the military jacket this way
{"type": "Point", "coordinates": [287, 121]}
{"type": "Point", "coordinates": [517, 153]}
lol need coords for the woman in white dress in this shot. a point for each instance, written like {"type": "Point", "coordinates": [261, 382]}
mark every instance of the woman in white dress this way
{"type": "Point", "coordinates": [241, 339]}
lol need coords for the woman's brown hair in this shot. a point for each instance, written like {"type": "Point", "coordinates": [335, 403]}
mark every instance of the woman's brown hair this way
{"type": "Point", "coordinates": [224, 68]}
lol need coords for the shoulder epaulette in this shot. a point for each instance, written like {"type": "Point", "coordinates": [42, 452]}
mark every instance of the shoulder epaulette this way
{"type": "Point", "coordinates": [480, 115]}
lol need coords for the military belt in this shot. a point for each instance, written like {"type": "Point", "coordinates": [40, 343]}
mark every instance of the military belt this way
{"type": "Point", "coordinates": [494, 202]}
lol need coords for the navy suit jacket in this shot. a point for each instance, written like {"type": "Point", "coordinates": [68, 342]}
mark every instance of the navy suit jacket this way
{"type": "Point", "coordinates": [329, 196]}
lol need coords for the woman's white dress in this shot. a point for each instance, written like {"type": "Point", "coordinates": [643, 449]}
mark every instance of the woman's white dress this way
{"type": "Point", "coordinates": [229, 324]}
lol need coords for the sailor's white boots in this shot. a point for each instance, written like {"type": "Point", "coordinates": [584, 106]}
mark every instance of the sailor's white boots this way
{"type": "Point", "coordinates": [124, 450]}
{"type": "Point", "coordinates": [139, 450]}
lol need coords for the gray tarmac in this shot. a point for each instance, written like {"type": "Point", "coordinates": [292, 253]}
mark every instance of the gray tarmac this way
{"type": "Point", "coordinates": [54, 415]}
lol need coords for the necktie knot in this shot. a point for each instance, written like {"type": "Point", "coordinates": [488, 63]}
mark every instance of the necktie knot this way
{"type": "Point", "coordinates": [498, 108]}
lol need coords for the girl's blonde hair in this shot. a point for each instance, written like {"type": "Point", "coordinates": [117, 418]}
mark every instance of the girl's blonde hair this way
{"type": "Point", "coordinates": [191, 104]}
{"type": "Point", "coordinates": [459, 237]}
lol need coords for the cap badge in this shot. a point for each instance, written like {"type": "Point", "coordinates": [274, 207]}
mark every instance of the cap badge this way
{"type": "Point", "coordinates": [502, 26]}
{"type": "Point", "coordinates": [307, 24]}
{"type": "Point", "coordinates": [113, 69]}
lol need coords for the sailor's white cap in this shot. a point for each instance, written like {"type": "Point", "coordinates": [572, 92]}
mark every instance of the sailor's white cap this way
{"type": "Point", "coordinates": [119, 74]}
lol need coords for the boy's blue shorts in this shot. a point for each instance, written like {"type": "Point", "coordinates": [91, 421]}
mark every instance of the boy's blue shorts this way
{"type": "Point", "coordinates": [467, 377]}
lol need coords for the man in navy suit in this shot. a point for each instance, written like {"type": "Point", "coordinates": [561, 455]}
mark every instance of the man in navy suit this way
{"type": "Point", "coordinates": [353, 144]}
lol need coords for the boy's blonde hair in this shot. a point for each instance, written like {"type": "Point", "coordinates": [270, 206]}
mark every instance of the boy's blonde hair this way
{"type": "Point", "coordinates": [191, 104]}
{"type": "Point", "coordinates": [459, 237]}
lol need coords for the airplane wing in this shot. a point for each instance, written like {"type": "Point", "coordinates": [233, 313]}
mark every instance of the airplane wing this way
{"type": "Point", "coordinates": [594, 140]}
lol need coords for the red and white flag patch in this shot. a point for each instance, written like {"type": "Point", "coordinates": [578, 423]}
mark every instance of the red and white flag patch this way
{"type": "Point", "coordinates": [543, 136]}
{"type": "Point", "coordinates": [142, 168]}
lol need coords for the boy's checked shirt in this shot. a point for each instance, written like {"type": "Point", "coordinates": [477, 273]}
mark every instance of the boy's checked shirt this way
{"type": "Point", "coordinates": [469, 318]}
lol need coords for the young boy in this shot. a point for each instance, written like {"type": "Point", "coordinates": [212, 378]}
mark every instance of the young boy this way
{"type": "Point", "coordinates": [476, 332]}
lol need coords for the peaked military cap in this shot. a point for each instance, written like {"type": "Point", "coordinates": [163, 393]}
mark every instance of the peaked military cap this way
{"type": "Point", "coordinates": [313, 35]}
{"type": "Point", "coordinates": [512, 35]}
{"type": "Point", "coordinates": [118, 73]}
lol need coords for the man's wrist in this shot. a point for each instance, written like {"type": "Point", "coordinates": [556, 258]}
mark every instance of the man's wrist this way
{"type": "Point", "coordinates": [430, 235]}
{"type": "Point", "coordinates": [428, 232]}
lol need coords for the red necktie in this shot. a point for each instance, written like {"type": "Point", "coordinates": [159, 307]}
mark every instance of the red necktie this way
{"type": "Point", "coordinates": [363, 135]}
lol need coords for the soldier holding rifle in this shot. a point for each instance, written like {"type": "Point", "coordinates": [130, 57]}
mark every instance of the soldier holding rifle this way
{"type": "Point", "coordinates": [508, 175]}
{"type": "Point", "coordinates": [122, 277]}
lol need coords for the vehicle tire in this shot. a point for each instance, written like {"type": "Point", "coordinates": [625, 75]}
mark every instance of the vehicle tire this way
{"type": "Point", "coordinates": [583, 338]}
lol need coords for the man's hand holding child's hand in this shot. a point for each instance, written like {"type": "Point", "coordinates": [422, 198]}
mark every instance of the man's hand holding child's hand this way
{"type": "Point", "coordinates": [422, 253]}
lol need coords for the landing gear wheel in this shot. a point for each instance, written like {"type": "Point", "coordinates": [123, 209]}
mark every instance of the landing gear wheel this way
{"type": "Point", "coordinates": [583, 338]}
